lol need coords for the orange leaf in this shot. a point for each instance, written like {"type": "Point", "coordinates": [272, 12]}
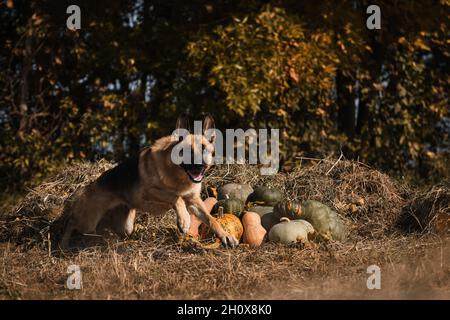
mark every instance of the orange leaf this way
{"type": "Point", "coordinates": [294, 75]}
{"type": "Point", "coordinates": [421, 45]}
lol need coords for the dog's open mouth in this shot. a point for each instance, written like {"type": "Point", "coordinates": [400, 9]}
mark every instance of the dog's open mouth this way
{"type": "Point", "coordinates": [195, 172]}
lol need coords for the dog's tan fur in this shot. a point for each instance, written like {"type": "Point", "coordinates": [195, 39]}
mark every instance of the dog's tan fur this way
{"type": "Point", "coordinates": [153, 183]}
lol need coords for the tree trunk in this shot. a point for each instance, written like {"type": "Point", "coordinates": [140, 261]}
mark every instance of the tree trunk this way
{"type": "Point", "coordinates": [24, 88]}
{"type": "Point", "coordinates": [346, 104]}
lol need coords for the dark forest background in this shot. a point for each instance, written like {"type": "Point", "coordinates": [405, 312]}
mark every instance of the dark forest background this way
{"type": "Point", "coordinates": [309, 68]}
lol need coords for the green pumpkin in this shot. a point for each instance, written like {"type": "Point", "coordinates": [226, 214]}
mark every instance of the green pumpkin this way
{"type": "Point", "coordinates": [269, 220]}
{"type": "Point", "coordinates": [266, 196]}
{"type": "Point", "coordinates": [324, 220]}
{"type": "Point", "coordinates": [291, 231]}
{"type": "Point", "coordinates": [261, 210]}
{"type": "Point", "coordinates": [233, 206]}
{"type": "Point", "coordinates": [288, 209]}
{"type": "Point", "coordinates": [234, 190]}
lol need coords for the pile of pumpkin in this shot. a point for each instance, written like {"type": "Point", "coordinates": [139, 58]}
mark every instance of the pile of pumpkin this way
{"type": "Point", "coordinates": [254, 216]}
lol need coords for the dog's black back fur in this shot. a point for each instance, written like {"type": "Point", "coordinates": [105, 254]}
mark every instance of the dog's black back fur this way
{"type": "Point", "coordinates": [122, 177]}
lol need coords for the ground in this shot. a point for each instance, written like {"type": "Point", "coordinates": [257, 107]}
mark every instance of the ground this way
{"type": "Point", "coordinates": [410, 268]}
{"type": "Point", "coordinates": [153, 264]}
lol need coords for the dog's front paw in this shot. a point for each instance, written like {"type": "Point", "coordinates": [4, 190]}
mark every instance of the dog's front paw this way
{"type": "Point", "coordinates": [184, 224]}
{"type": "Point", "coordinates": [229, 240]}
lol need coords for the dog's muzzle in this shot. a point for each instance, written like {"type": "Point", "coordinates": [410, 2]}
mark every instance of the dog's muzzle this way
{"type": "Point", "coordinates": [195, 172]}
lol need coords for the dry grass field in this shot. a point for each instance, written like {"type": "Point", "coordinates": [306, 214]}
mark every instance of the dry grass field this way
{"type": "Point", "coordinates": [401, 229]}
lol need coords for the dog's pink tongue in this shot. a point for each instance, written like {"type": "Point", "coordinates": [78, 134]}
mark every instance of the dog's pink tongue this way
{"type": "Point", "coordinates": [196, 175]}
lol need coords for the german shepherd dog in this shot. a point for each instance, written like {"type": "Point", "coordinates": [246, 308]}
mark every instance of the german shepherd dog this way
{"type": "Point", "coordinates": [153, 183]}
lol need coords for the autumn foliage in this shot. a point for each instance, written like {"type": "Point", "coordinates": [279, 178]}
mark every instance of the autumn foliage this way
{"type": "Point", "coordinates": [310, 68]}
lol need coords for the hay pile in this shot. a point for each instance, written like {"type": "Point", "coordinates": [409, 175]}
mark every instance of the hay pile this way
{"type": "Point", "coordinates": [428, 211]}
{"type": "Point", "coordinates": [30, 220]}
{"type": "Point", "coordinates": [370, 202]}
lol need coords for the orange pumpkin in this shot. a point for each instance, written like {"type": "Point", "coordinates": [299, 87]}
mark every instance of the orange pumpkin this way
{"type": "Point", "coordinates": [229, 222]}
{"type": "Point", "coordinates": [196, 222]}
{"type": "Point", "coordinates": [254, 233]}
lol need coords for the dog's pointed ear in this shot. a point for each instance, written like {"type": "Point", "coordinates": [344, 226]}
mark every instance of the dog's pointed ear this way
{"type": "Point", "coordinates": [208, 123]}
{"type": "Point", "coordinates": [183, 122]}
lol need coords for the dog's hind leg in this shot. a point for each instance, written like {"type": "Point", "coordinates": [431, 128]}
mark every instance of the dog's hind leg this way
{"type": "Point", "coordinates": [129, 222]}
{"type": "Point", "coordinates": [120, 220]}
{"type": "Point", "coordinates": [70, 228]}
{"type": "Point", "coordinates": [87, 212]}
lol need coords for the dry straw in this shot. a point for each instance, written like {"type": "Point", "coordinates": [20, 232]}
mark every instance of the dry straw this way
{"type": "Point", "coordinates": [373, 205]}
